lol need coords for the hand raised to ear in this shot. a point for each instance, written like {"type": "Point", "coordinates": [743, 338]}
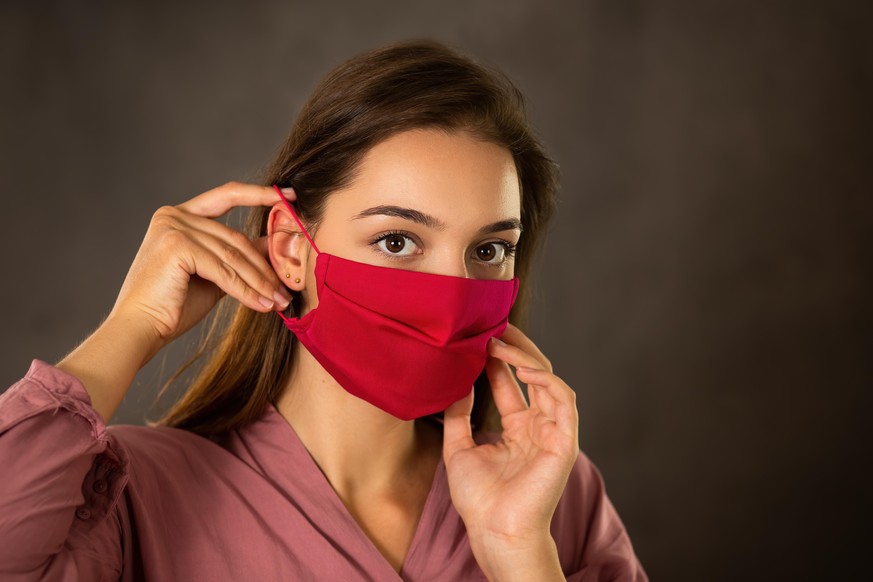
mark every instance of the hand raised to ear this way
{"type": "Point", "coordinates": [187, 261]}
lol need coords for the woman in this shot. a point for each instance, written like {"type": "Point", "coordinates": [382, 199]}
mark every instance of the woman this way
{"type": "Point", "coordinates": [334, 431]}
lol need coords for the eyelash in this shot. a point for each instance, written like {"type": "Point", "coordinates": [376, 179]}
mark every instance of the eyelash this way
{"type": "Point", "coordinates": [509, 248]}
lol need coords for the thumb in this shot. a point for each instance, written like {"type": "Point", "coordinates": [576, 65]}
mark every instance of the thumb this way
{"type": "Point", "coordinates": [457, 431]}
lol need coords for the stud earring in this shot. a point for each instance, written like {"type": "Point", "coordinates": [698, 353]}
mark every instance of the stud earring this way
{"type": "Point", "coordinates": [297, 280]}
{"type": "Point", "coordinates": [287, 275]}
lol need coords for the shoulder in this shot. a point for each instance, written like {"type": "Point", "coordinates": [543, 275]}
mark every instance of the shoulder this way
{"type": "Point", "coordinates": [158, 439]}
{"type": "Point", "coordinates": [160, 450]}
{"type": "Point", "coordinates": [161, 441]}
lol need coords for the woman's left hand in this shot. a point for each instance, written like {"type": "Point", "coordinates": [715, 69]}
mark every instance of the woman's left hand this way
{"type": "Point", "coordinates": [506, 492]}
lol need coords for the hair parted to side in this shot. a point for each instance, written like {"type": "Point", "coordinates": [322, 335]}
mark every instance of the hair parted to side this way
{"type": "Point", "coordinates": [408, 85]}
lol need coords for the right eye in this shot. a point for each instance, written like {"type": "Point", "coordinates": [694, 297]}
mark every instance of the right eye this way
{"type": "Point", "coordinates": [396, 244]}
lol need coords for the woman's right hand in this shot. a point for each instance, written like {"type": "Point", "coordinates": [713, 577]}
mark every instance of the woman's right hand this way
{"type": "Point", "coordinates": [188, 261]}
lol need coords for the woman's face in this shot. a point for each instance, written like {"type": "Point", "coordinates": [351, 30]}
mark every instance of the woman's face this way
{"type": "Point", "coordinates": [423, 200]}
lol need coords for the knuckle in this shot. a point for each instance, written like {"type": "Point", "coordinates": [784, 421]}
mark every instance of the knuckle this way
{"type": "Point", "coordinates": [227, 273]}
{"type": "Point", "coordinates": [173, 238]}
{"type": "Point", "coordinates": [250, 294]}
{"type": "Point", "coordinates": [164, 215]}
{"type": "Point", "coordinates": [231, 186]}
{"type": "Point", "coordinates": [266, 282]}
{"type": "Point", "coordinates": [230, 253]}
{"type": "Point", "coordinates": [238, 238]}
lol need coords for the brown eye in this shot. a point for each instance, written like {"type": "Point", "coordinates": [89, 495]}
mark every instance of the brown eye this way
{"type": "Point", "coordinates": [394, 243]}
{"type": "Point", "coordinates": [397, 244]}
{"type": "Point", "coordinates": [487, 253]}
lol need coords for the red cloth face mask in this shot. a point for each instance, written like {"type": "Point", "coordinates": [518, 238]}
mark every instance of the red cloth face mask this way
{"type": "Point", "coordinates": [407, 342]}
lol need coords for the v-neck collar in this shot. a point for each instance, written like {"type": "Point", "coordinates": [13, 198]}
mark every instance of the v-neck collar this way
{"type": "Point", "coordinates": [276, 447]}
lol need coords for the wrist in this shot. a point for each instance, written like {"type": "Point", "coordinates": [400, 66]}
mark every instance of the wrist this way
{"type": "Point", "coordinates": [140, 339]}
{"type": "Point", "coordinates": [107, 361]}
{"type": "Point", "coordinates": [505, 558]}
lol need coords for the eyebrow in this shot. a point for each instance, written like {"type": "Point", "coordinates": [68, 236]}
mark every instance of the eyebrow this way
{"type": "Point", "coordinates": [432, 222]}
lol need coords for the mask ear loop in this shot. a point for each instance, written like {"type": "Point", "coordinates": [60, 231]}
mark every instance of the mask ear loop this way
{"type": "Point", "coordinates": [297, 220]}
{"type": "Point", "coordinates": [284, 317]}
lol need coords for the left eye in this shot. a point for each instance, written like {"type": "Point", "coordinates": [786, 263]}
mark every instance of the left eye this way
{"type": "Point", "coordinates": [487, 253]}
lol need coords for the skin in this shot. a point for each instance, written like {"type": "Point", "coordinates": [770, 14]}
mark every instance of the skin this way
{"type": "Point", "coordinates": [466, 185]}
{"type": "Point", "coordinates": [381, 467]}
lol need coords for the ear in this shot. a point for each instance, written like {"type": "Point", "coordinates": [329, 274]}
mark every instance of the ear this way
{"type": "Point", "coordinates": [288, 248]}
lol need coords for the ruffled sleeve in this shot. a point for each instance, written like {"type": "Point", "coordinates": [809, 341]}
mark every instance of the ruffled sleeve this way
{"type": "Point", "coordinates": [63, 475]}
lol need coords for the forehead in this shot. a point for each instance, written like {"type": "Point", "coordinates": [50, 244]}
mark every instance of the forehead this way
{"type": "Point", "coordinates": [454, 176]}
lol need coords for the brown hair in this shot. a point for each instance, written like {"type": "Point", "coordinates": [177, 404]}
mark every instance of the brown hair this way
{"type": "Point", "coordinates": [408, 85]}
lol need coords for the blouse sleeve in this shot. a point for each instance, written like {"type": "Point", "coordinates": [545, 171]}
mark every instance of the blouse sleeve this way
{"type": "Point", "coordinates": [593, 544]}
{"type": "Point", "coordinates": [63, 475]}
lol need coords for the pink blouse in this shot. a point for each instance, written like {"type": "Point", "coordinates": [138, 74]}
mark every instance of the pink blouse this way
{"type": "Point", "coordinates": [83, 501]}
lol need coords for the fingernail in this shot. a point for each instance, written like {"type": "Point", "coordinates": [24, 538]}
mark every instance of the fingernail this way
{"type": "Point", "coordinates": [281, 299]}
{"type": "Point", "coordinates": [498, 341]}
{"type": "Point", "coordinates": [265, 302]}
{"type": "Point", "coordinates": [287, 190]}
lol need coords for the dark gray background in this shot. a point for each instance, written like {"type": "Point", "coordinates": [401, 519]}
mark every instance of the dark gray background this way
{"type": "Point", "coordinates": [705, 288]}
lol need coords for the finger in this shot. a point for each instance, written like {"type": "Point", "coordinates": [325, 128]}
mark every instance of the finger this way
{"type": "Point", "coordinates": [226, 276]}
{"type": "Point", "coordinates": [218, 201]}
{"type": "Point", "coordinates": [239, 252]}
{"type": "Point", "coordinates": [256, 249]}
{"type": "Point", "coordinates": [514, 336]}
{"type": "Point", "coordinates": [506, 392]}
{"type": "Point", "coordinates": [542, 401]}
{"type": "Point", "coordinates": [547, 386]}
{"type": "Point", "coordinates": [252, 268]}
{"type": "Point", "coordinates": [542, 423]}
{"type": "Point", "coordinates": [553, 386]}
{"type": "Point", "coordinates": [513, 355]}
{"type": "Point", "coordinates": [457, 431]}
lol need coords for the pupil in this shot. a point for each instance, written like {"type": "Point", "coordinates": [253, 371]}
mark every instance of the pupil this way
{"type": "Point", "coordinates": [396, 243]}
{"type": "Point", "coordinates": [486, 252]}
